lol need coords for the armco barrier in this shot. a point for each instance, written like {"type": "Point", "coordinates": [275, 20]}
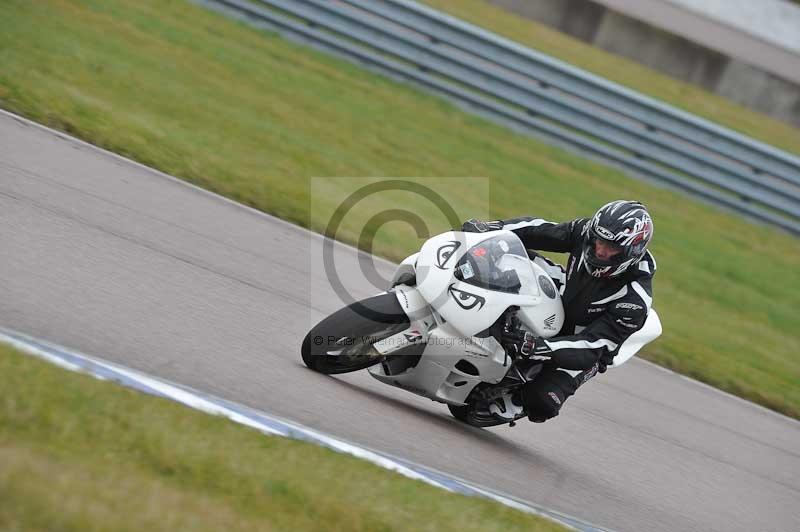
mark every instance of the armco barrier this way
{"type": "Point", "coordinates": [537, 94]}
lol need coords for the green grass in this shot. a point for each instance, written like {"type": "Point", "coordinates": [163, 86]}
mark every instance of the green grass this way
{"type": "Point", "coordinates": [80, 454]}
{"type": "Point", "coordinates": [624, 71]}
{"type": "Point", "coordinates": [254, 117]}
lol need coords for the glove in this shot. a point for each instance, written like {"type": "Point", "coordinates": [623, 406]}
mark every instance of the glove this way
{"type": "Point", "coordinates": [520, 343]}
{"type": "Point", "coordinates": [474, 225]}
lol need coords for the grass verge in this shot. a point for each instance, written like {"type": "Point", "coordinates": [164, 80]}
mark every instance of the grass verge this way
{"type": "Point", "coordinates": [624, 71]}
{"type": "Point", "coordinates": [82, 454]}
{"type": "Point", "coordinates": [253, 117]}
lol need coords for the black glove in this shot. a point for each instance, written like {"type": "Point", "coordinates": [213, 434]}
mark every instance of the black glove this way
{"type": "Point", "coordinates": [521, 343]}
{"type": "Point", "coordinates": [474, 225]}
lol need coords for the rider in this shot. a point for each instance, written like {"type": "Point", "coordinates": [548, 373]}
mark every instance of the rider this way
{"type": "Point", "coordinates": [606, 291]}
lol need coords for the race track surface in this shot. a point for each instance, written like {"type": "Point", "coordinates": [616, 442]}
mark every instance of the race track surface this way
{"type": "Point", "coordinates": [121, 262]}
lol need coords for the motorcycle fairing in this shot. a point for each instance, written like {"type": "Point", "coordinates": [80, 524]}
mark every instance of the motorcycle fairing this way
{"type": "Point", "coordinates": [468, 308]}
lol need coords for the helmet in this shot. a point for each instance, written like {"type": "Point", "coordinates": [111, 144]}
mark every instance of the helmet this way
{"type": "Point", "coordinates": [624, 226]}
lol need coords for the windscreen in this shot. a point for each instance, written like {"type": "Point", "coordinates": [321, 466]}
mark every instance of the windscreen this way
{"type": "Point", "coordinates": [499, 263]}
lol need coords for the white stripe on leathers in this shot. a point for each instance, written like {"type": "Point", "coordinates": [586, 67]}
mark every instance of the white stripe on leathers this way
{"type": "Point", "coordinates": [622, 292]}
{"type": "Point", "coordinates": [639, 289]}
{"type": "Point", "coordinates": [581, 344]}
{"type": "Point", "coordinates": [530, 223]}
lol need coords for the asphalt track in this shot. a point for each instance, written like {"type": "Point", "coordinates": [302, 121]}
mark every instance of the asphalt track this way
{"type": "Point", "coordinates": [121, 262]}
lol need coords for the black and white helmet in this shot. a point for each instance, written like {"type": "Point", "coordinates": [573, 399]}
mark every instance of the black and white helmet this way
{"type": "Point", "coordinates": [623, 225]}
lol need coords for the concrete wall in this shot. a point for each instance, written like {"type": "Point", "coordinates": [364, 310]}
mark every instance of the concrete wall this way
{"type": "Point", "coordinates": [742, 81]}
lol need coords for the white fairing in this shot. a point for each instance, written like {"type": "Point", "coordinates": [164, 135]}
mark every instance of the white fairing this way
{"type": "Point", "coordinates": [447, 309]}
{"type": "Point", "coordinates": [545, 318]}
{"type": "Point", "coordinates": [469, 308]}
{"type": "Point", "coordinates": [455, 288]}
{"type": "Point", "coordinates": [440, 374]}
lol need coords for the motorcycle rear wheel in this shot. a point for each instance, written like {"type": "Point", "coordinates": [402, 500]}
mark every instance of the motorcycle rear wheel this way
{"type": "Point", "coordinates": [342, 342]}
{"type": "Point", "coordinates": [476, 413]}
{"type": "Point", "coordinates": [468, 414]}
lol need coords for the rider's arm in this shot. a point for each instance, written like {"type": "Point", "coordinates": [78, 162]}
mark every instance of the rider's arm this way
{"type": "Point", "coordinates": [600, 341]}
{"type": "Point", "coordinates": [540, 234]}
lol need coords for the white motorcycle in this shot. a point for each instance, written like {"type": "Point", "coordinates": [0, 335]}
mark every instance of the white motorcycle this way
{"type": "Point", "coordinates": [435, 332]}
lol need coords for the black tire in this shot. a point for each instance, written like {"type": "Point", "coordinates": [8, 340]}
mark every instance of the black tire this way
{"type": "Point", "coordinates": [375, 318]}
{"type": "Point", "coordinates": [469, 415]}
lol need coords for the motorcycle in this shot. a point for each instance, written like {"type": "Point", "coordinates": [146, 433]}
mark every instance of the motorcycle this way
{"type": "Point", "coordinates": [436, 331]}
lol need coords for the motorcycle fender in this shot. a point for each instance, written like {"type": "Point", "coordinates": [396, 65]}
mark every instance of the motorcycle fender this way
{"type": "Point", "coordinates": [419, 316]}
{"type": "Point", "coordinates": [412, 302]}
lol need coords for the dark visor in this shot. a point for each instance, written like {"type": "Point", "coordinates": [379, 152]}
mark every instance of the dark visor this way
{"type": "Point", "coordinates": [607, 243]}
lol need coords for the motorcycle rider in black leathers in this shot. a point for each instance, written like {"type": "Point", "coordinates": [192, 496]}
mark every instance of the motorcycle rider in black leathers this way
{"type": "Point", "coordinates": [606, 290]}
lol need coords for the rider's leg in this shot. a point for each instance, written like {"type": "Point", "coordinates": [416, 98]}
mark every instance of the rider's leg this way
{"type": "Point", "coordinates": [545, 395]}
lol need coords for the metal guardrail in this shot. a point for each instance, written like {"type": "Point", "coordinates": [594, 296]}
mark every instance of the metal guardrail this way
{"type": "Point", "coordinates": [537, 94]}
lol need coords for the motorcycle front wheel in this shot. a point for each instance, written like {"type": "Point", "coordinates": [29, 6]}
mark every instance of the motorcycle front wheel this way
{"type": "Point", "coordinates": [343, 342]}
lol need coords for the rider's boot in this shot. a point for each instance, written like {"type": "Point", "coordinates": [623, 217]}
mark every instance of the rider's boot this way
{"type": "Point", "coordinates": [508, 405]}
